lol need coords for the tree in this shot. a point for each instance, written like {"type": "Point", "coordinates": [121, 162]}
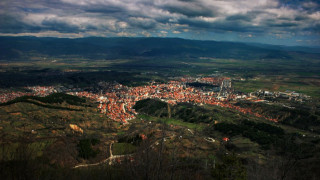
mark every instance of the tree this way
{"type": "Point", "coordinates": [230, 168]}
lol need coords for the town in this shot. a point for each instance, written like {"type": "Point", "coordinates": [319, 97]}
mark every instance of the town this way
{"type": "Point", "coordinates": [116, 101]}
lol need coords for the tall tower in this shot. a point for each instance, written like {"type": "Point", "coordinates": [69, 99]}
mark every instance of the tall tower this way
{"type": "Point", "coordinates": [225, 88]}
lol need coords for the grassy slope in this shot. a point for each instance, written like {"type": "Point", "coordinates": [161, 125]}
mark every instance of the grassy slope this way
{"type": "Point", "coordinates": [21, 117]}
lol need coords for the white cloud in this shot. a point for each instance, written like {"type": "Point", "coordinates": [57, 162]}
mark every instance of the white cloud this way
{"type": "Point", "coordinates": [146, 34]}
{"type": "Point", "coordinates": [126, 34]}
{"type": "Point", "coordinates": [163, 32]}
{"type": "Point", "coordinates": [315, 16]}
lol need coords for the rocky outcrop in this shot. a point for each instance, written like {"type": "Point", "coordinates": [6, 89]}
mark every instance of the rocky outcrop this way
{"type": "Point", "coordinates": [76, 128]}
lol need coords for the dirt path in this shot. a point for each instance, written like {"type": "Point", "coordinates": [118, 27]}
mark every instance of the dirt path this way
{"type": "Point", "coordinates": [109, 159]}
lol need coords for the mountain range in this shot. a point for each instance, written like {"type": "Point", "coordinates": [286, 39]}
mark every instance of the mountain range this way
{"type": "Point", "coordinates": [17, 48]}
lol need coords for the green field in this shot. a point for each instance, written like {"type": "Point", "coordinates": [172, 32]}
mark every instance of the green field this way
{"type": "Point", "coordinates": [171, 121]}
{"type": "Point", "coordinates": [272, 74]}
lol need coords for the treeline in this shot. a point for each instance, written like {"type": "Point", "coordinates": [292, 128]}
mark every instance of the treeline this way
{"type": "Point", "coordinates": [192, 113]}
{"type": "Point", "coordinates": [48, 77]}
{"type": "Point", "coordinates": [152, 107]}
{"type": "Point", "coordinates": [262, 133]}
{"type": "Point", "coordinates": [183, 111]}
{"type": "Point", "coordinates": [50, 99]}
{"type": "Point", "coordinates": [60, 98]}
{"type": "Point", "coordinates": [298, 117]}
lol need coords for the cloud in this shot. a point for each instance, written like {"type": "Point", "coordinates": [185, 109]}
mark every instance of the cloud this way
{"type": "Point", "coordinates": [142, 23]}
{"type": "Point", "coordinates": [146, 34]}
{"type": "Point", "coordinates": [149, 17]}
{"type": "Point", "coordinates": [126, 34]}
{"type": "Point", "coordinates": [163, 32]}
{"type": "Point", "coordinates": [189, 8]}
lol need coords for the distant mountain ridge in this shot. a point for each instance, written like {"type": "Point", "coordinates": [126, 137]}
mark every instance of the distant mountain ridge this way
{"type": "Point", "coordinates": [15, 48]}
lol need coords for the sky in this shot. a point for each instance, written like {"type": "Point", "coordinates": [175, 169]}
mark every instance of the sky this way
{"type": "Point", "coordinates": [281, 22]}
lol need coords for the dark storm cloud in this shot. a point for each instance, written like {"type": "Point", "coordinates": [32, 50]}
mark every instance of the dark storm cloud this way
{"type": "Point", "coordinates": [310, 5]}
{"type": "Point", "coordinates": [239, 18]}
{"type": "Point", "coordinates": [190, 9]}
{"type": "Point", "coordinates": [142, 23]}
{"type": "Point", "coordinates": [284, 24]}
{"type": "Point", "coordinates": [60, 26]}
{"type": "Point", "coordinates": [104, 9]}
{"type": "Point", "coordinates": [301, 18]}
{"type": "Point", "coordinates": [11, 24]}
{"type": "Point", "coordinates": [137, 16]}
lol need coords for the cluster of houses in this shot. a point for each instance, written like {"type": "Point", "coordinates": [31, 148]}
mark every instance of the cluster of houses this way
{"type": "Point", "coordinates": [289, 95]}
{"type": "Point", "coordinates": [118, 100]}
{"type": "Point", "coordinates": [206, 80]}
{"type": "Point", "coordinates": [42, 90]}
{"type": "Point", "coordinates": [8, 96]}
{"type": "Point", "coordinates": [30, 91]}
